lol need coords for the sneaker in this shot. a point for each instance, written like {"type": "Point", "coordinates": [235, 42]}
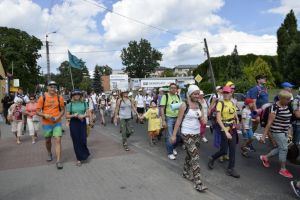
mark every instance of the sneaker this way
{"type": "Point", "coordinates": [226, 158]}
{"type": "Point", "coordinates": [50, 158]}
{"type": "Point", "coordinates": [175, 152]}
{"type": "Point", "coordinates": [200, 187]}
{"type": "Point", "coordinates": [211, 163]}
{"type": "Point", "coordinates": [221, 159]}
{"type": "Point", "coordinates": [233, 173]}
{"type": "Point", "coordinates": [295, 188]}
{"type": "Point", "coordinates": [285, 173]}
{"type": "Point", "coordinates": [265, 161]}
{"type": "Point", "coordinates": [205, 140]}
{"type": "Point", "coordinates": [59, 165]}
{"type": "Point", "coordinates": [245, 154]}
{"type": "Point", "coordinates": [171, 157]}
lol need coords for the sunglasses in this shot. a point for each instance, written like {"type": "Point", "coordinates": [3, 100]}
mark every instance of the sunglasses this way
{"type": "Point", "coordinates": [32, 98]}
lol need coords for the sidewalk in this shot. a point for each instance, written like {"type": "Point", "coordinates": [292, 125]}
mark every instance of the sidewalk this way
{"type": "Point", "coordinates": [111, 174]}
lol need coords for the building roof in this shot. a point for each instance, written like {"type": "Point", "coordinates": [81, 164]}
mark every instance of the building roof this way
{"type": "Point", "coordinates": [161, 68]}
{"type": "Point", "coordinates": [186, 67]}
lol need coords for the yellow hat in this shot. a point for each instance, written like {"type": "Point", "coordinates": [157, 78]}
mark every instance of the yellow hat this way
{"type": "Point", "coordinates": [229, 83]}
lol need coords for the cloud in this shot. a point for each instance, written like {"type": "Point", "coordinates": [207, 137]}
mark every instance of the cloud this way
{"type": "Point", "coordinates": [286, 6]}
{"type": "Point", "coordinates": [184, 49]}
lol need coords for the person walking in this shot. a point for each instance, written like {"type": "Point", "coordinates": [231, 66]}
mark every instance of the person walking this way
{"type": "Point", "coordinates": [279, 122]}
{"type": "Point", "coordinates": [102, 103]}
{"type": "Point", "coordinates": [169, 118]}
{"type": "Point", "coordinates": [228, 120]}
{"type": "Point", "coordinates": [20, 96]}
{"type": "Point", "coordinates": [50, 107]}
{"type": "Point", "coordinates": [205, 116]}
{"type": "Point", "coordinates": [33, 120]}
{"type": "Point", "coordinates": [7, 101]}
{"type": "Point", "coordinates": [77, 112]}
{"type": "Point", "coordinates": [113, 104]}
{"type": "Point", "coordinates": [259, 93]}
{"type": "Point", "coordinates": [140, 105]}
{"type": "Point", "coordinates": [296, 119]}
{"type": "Point", "coordinates": [16, 115]}
{"type": "Point", "coordinates": [124, 110]}
{"type": "Point", "coordinates": [189, 117]}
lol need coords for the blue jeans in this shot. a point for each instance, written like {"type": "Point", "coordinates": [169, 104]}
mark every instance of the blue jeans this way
{"type": "Point", "coordinates": [282, 149]}
{"type": "Point", "coordinates": [171, 123]}
{"type": "Point", "coordinates": [296, 134]}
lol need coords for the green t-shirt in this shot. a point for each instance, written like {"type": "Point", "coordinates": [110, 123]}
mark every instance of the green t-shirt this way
{"type": "Point", "coordinates": [171, 99]}
{"type": "Point", "coordinates": [77, 107]}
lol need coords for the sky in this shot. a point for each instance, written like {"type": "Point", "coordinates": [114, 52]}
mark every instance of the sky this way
{"type": "Point", "coordinates": [97, 30]}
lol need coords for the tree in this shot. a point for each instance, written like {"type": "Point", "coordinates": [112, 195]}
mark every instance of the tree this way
{"type": "Point", "coordinates": [19, 50]}
{"type": "Point", "coordinates": [97, 85]}
{"type": "Point", "coordinates": [259, 67]}
{"type": "Point", "coordinates": [63, 78]}
{"type": "Point", "coordinates": [105, 70]}
{"type": "Point", "coordinates": [168, 73]}
{"type": "Point", "coordinates": [287, 34]}
{"type": "Point", "coordinates": [140, 59]}
{"type": "Point", "coordinates": [293, 63]}
{"type": "Point", "coordinates": [234, 66]}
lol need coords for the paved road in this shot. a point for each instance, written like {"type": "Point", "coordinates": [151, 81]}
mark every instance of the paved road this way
{"type": "Point", "coordinates": [144, 173]}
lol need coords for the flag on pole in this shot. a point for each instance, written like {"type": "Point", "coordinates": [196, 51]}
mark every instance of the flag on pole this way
{"type": "Point", "coordinates": [74, 61]}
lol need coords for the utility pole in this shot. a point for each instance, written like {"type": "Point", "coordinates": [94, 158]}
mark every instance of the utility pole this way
{"type": "Point", "coordinates": [209, 63]}
{"type": "Point", "coordinates": [48, 59]}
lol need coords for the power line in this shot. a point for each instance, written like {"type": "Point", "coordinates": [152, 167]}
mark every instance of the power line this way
{"type": "Point", "coordinates": [138, 21]}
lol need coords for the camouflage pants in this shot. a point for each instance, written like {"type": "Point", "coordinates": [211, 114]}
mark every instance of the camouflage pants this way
{"type": "Point", "coordinates": [192, 159]}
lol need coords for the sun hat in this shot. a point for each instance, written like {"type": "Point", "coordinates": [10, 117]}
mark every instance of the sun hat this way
{"type": "Point", "coordinates": [130, 94]}
{"type": "Point", "coordinates": [218, 87]}
{"type": "Point", "coordinates": [76, 92]}
{"type": "Point", "coordinates": [52, 83]}
{"type": "Point", "coordinates": [192, 88]}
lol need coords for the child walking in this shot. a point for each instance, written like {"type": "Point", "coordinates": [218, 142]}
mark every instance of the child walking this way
{"type": "Point", "coordinates": [154, 122]}
{"type": "Point", "coordinates": [248, 118]}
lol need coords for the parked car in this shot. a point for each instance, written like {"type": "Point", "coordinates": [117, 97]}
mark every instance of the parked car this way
{"type": "Point", "coordinates": [240, 97]}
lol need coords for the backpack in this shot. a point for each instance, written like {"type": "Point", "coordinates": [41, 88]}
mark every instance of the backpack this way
{"type": "Point", "coordinates": [264, 116]}
{"type": "Point", "coordinates": [293, 152]}
{"type": "Point", "coordinates": [258, 93]}
{"type": "Point", "coordinates": [188, 108]}
{"type": "Point", "coordinates": [167, 98]}
{"type": "Point", "coordinates": [58, 99]}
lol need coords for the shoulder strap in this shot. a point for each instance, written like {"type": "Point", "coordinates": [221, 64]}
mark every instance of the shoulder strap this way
{"type": "Point", "coordinates": [222, 108]}
{"type": "Point", "coordinates": [44, 99]}
{"type": "Point", "coordinates": [58, 98]}
{"type": "Point", "coordinates": [167, 98]}
{"type": "Point", "coordinates": [71, 108]}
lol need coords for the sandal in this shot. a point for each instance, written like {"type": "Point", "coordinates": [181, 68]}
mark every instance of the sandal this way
{"type": "Point", "coordinates": [78, 163]}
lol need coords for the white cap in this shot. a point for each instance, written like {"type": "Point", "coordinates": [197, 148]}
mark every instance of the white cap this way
{"type": "Point", "coordinates": [192, 88]}
{"type": "Point", "coordinates": [161, 89]}
{"type": "Point", "coordinates": [140, 90]}
{"type": "Point", "coordinates": [114, 93]}
{"type": "Point", "coordinates": [103, 94]}
{"type": "Point", "coordinates": [201, 92]}
{"type": "Point", "coordinates": [218, 87]}
{"type": "Point", "coordinates": [130, 94]}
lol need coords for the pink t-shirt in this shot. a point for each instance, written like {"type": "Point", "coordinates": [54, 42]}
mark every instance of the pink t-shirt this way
{"type": "Point", "coordinates": [31, 109]}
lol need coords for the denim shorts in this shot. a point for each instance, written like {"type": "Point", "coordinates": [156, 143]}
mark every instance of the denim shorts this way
{"type": "Point", "coordinates": [249, 134]}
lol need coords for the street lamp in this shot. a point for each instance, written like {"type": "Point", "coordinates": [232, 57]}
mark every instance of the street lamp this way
{"type": "Point", "coordinates": [47, 54]}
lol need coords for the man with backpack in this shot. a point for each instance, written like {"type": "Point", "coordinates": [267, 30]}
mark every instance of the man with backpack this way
{"type": "Point", "coordinates": [169, 118]}
{"type": "Point", "coordinates": [50, 107]}
{"type": "Point", "coordinates": [259, 93]}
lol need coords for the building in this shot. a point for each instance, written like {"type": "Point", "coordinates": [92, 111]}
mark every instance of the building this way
{"type": "Point", "coordinates": [118, 71]}
{"type": "Point", "coordinates": [184, 70]}
{"type": "Point", "coordinates": [159, 71]}
{"type": "Point", "coordinates": [105, 81]}
{"type": "Point", "coordinates": [2, 84]}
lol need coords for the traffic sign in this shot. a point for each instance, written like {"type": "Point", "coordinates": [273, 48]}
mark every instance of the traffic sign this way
{"type": "Point", "coordinates": [198, 78]}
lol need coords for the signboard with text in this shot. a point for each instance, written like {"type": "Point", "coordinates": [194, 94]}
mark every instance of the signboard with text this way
{"type": "Point", "coordinates": [156, 83]}
{"type": "Point", "coordinates": [118, 82]}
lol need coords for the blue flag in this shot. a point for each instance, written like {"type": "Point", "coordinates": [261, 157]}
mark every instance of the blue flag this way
{"type": "Point", "coordinates": [74, 61]}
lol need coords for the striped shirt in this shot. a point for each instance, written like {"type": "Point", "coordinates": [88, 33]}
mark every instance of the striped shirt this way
{"type": "Point", "coordinates": [282, 121]}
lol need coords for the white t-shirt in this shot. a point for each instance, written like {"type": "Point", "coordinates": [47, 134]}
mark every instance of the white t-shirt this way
{"type": "Point", "coordinates": [191, 123]}
{"type": "Point", "coordinates": [148, 100]}
{"type": "Point", "coordinates": [140, 99]}
{"type": "Point", "coordinates": [24, 98]}
{"type": "Point", "coordinates": [94, 98]}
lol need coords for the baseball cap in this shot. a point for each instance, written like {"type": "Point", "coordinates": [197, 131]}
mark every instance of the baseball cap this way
{"type": "Point", "coordinates": [287, 85]}
{"type": "Point", "coordinates": [52, 83]}
{"type": "Point", "coordinates": [218, 87]}
{"type": "Point", "coordinates": [248, 101]}
{"type": "Point", "coordinates": [76, 92]}
{"type": "Point", "coordinates": [229, 83]}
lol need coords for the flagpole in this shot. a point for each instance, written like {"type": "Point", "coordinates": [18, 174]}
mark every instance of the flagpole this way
{"type": "Point", "coordinates": [71, 77]}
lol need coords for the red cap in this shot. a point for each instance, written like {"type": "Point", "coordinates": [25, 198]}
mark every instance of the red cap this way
{"type": "Point", "coordinates": [248, 101]}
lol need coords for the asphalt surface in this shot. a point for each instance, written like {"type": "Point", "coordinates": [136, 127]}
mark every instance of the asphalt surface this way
{"type": "Point", "coordinates": [256, 182]}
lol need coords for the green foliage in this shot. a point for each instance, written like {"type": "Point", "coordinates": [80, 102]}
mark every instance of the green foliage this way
{"type": "Point", "coordinates": [97, 84]}
{"type": "Point", "coordinates": [234, 65]}
{"type": "Point", "coordinates": [287, 35]}
{"type": "Point", "coordinates": [206, 87]}
{"type": "Point", "coordinates": [140, 59]}
{"type": "Point", "coordinates": [21, 49]}
{"type": "Point", "coordinates": [168, 73]}
{"type": "Point", "coordinates": [63, 78]}
{"type": "Point", "coordinates": [259, 67]}
{"type": "Point", "coordinates": [293, 63]}
{"type": "Point", "coordinates": [105, 70]}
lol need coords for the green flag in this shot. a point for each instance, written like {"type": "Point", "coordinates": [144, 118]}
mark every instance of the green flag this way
{"type": "Point", "coordinates": [74, 61]}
